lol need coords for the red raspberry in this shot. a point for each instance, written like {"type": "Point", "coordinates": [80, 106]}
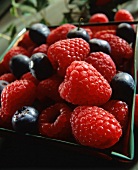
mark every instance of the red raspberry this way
{"type": "Point", "coordinates": [5, 120]}
{"type": "Point", "coordinates": [62, 53]}
{"type": "Point", "coordinates": [99, 33]}
{"type": "Point", "coordinates": [98, 17]}
{"type": "Point", "coordinates": [136, 111]}
{"type": "Point", "coordinates": [29, 76]}
{"type": "Point", "coordinates": [12, 52]}
{"type": "Point", "coordinates": [49, 88]}
{"type": "Point", "coordinates": [42, 48]}
{"type": "Point", "coordinates": [103, 63]}
{"type": "Point", "coordinates": [16, 95]}
{"type": "Point", "coordinates": [84, 85]}
{"type": "Point", "coordinates": [119, 109]}
{"type": "Point", "coordinates": [123, 15]}
{"type": "Point", "coordinates": [26, 42]}
{"type": "Point", "coordinates": [120, 49]}
{"type": "Point", "coordinates": [3, 70]}
{"type": "Point", "coordinates": [54, 122]}
{"type": "Point", "coordinates": [9, 77]}
{"type": "Point", "coordinates": [96, 29]}
{"type": "Point", "coordinates": [95, 127]}
{"type": "Point", "coordinates": [59, 33]}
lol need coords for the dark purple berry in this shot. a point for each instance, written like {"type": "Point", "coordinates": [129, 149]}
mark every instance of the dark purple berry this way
{"type": "Point", "coordinates": [19, 65]}
{"type": "Point", "coordinates": [125, 31]}
{"type": "Point", "coordinates": [40, 66]}
{"type": "Point", "coordinates": [78, 33]}
{"type": "Point", "coordinates": [123, 86]}
{"type": "Point", "coordinates": [38, 33]}
{"type": "Point", "coordinates": [25, 120]}
{"type": "Point", "coordinates": [97, 45]}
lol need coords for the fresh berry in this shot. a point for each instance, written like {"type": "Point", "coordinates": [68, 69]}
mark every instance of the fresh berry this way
{"type": "Point", "coordinates": [40, 66]}
{"type": "Point", "coordinates": [123, 87]}
{"type": "Point", "coordinates": [19, 65]}
{"type": "Point", "coordinates": [41, 49]}
{"type": "Point", "coordinates": [84, 85]}
{"type": "Point", "coordinates": [136, 111]}
{"type": "Point", "coordinates": [9, 77]}
{"type": "Point", "coordinates": [12, 52]}
{"type": "Point", "coordinates": [98, 17]}
{"type": "Point", "coordinates": [5, 120]}
{"type": "Point", "coordinates": [126, 32]}
{"type": "Point", "coordinates": [123, 15]}
{"type": "Point", "coordinates": [3, 70]}
{"type": "Point", "coordinates": [62, 53]}
{"type": "Point", "coordinates": [59, 33]}
{"type": "Point", "coordinates": [26, 42]}
{"type": "Point", "coordinates": [25, 119]}
{"type": "Point", "coordinates": [78, 33]}
{"type": "Point", "coordinates": [89, 32]}
{"type": "Point", "coordinates": [48, 88]}
{"type": "Point", "coordinates": [54, 122]}
{"type": "Point", "coordinates": [99, 33]}
{"type": "Point", "coordinates": [16, 95]}
{"type": "Point", "coordinates": [93, 126]}
{"type": "Point", "coordinates": [38, 33]}
{"type": "Point", "coordinates": [97, 45]}
{"type": "Point", "coordinates": [103, 63]}
{"type": "Point", "coordinates": [3, 84]}
{"type": "Point", "coordinates": [120, 49]}
{"type": "Point", "coordinates": [30, 77]}
{"type": "Point", "coordinates": [119, 109]}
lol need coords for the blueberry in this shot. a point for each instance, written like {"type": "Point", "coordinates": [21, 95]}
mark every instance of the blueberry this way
{"type": "Point", "coordinates": [125, 31]}
{"type": "Point", "coordinates": [123, 86]}
{"type": "Point", "coordinates": [38, 33]}
{"type": "Point", "coordinates": [19, 65]}
{"type": "Point", "coordinates": [78, 33]}
{"type": "Point", "coordinates": [40, 66]}
{"type": "Point", "coordinates": [97, 45]}
{"type": "Point", "coordinates": [25, 120]}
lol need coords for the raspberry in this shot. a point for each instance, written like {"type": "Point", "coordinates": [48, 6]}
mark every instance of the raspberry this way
{"type": "Point", "coordinates": [54, 122]}
{"type": "Point", "coordinates": [2, 69]}
{"type": "Point", "coordinates": [123, 15]}
{"type": "Point", "coordinates": [62, 53]}
{"type": "Point", "coordinates": [26, 42]}
{"type": "Point", "coordinates": [49, 88]}
{"type": "Point", "coordinates": [16, 95]}
{"type": "Point", "coordinates": [93, 126]}
{"type": "Point", "coordinates": [98, 17]}
{"type": "Point", "coordinates": [84, 85]}
{"type": "Point", "coordinates": [9, 77]}
{"type": "Point", "coordinates": [59, 33]}
{"type": "Point", "coordinates": [12, 52]}
{"type": "Point", "coordinates": [42, 48]}
{"type": "Point", "coordinates": [5, 120]}
{"type": "Point", "coordinates": [136, 111]}
{"type": "Point", "coordinates": [119, 109]}
{"type": "Point", "coordinates": [120, 49]}
{"type": "Point", "coordinates": [103, 63]}
{"type": "Point", "coordinates": [96, 29]}
{"type": "Point", "coordinates": [29, 76]}
{"type": "Point", "coordinates": [100, 33]}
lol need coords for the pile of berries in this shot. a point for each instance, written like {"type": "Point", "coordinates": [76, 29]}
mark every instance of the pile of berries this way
{"type": "Point", "coordinates": [70, 83]}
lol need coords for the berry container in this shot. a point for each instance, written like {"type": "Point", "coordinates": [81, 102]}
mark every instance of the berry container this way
{"type": "Point", "coordinates": [123, 151]}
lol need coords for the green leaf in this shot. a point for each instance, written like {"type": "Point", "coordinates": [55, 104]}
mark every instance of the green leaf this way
{"type": "Point", "coordinates": [27, 9]}
{"type": "Point", "coordinates": [13, 31]}
{"type": "Point", "coordinates": [13, 11]}
{"type": "Point", "coordinates": [41, 4]}
{"type": "Point", "coordinates": [9, 28]}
